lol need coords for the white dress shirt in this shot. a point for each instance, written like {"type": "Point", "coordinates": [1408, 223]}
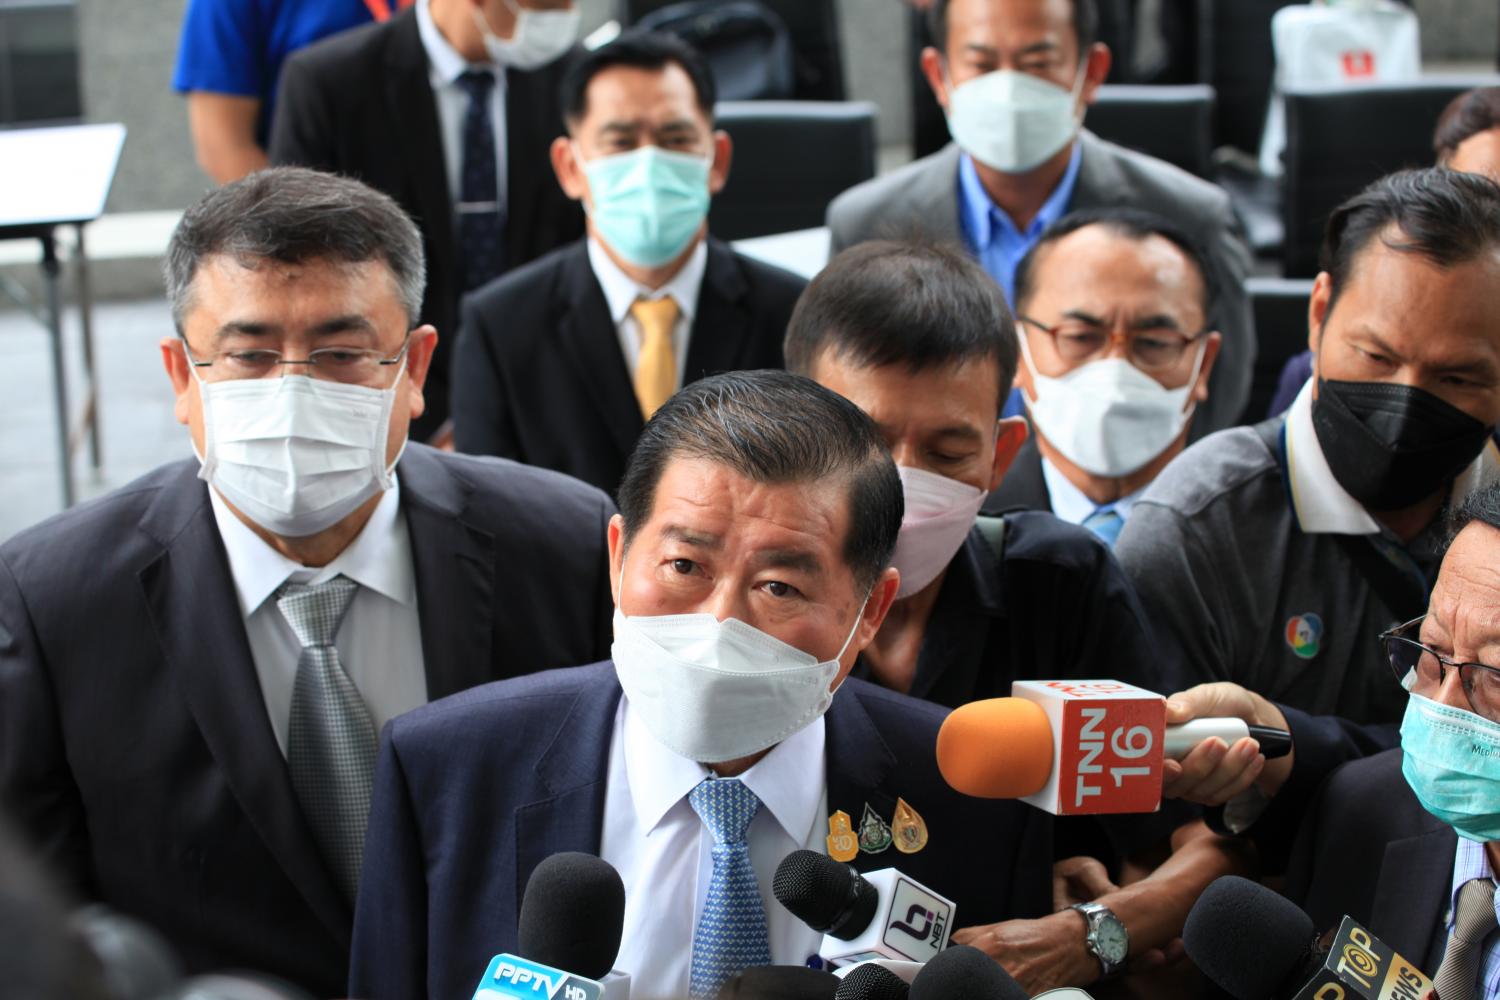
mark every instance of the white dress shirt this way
{"type": "Point", "coordinates": [662, 850]}
{"type": "Point", "coordinates": [380, 639]}
{"type": "Point", "coordinates": [1072, 504]}
{"type": "Point", "coordinates": [621, 291]}
{"type": "Point", "coordinates": [444, 67]}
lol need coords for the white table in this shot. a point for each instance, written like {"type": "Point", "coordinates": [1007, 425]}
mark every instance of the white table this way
{"type": "Point", "coordinates": [51, 177]}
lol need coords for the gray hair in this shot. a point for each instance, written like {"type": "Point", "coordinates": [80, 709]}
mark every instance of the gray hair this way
{"type": "Point", "coordinates": [292, 215]}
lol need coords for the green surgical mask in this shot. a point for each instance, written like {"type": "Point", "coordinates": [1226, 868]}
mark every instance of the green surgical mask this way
{"type": "Point", "coordinates": [1451, 760]}
{"type": "Point", "coordinates": [648, 203]}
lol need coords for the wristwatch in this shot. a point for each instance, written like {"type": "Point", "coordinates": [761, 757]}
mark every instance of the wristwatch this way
{"type": "Point", "coordinates": [1107, 939]}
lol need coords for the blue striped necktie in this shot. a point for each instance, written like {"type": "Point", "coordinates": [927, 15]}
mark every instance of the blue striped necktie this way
{"type": "Point", "coordinates": [1105, 522]}
{"type": "Point", "coordinates": [731, 935]}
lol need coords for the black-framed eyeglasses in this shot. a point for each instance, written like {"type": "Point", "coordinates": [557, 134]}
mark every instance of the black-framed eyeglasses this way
{"type": "Point", "coordinates": [1151, 348]}
{"type": "Point", "coordinates": [352, 365]}
{"type": "Point", "coordinates": [1421, 670]}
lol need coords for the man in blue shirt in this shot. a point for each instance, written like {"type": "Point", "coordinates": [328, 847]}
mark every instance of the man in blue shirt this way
{"type": "Point", "coordinates": [228, 63]}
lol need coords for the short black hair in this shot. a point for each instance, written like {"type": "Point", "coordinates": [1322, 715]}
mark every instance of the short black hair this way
{"type": "Point", "coordinates": [642, 50]}
{"type": "Point", "coordinates": [1467, 115]}
{"type": "Point", "coordinates": [922, 305]}
{"type": "Point", "coordinates": [292, 215]}
{"type": "Point", "coordinates": [775, 427]}
{"type": "Point", "coordinates": [1131, 223]}
{"type": "Point", "coordinates": [1443, 215]}
{"type": "Point", "coordinates": [1085, 24]}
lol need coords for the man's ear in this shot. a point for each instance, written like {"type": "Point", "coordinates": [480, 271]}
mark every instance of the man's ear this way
{"type": "Point", "coordinates": [1212, 342]}
{"type": "Point", "coordinates": [932, 69]}
{"type": "Point", "coordinates": [419, 348]}
{"type": "Point", "coordinates": [616, 538]}
{"type": "Point", "coordinates": [1010, 435]}
{"type": "Point", "coordinates": [180, 372]}
{"type": "Point", "coordinates": [569, 170]}
{"type": "Point", "coordinates": [1095, 71]}
{"type": "Point", "coordinates": [718, 174]}
{"type": "Point", "coordinates": [1318, 307]}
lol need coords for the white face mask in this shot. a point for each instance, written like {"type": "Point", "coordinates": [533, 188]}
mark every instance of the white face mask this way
{"type": "Point", "coordinates": [294, 454]}
{"type": "Point", "coordinates": [939, 513]}
{"type": "Point", "coordinates": [715, 691]}
{"type": "Point", "coordinates": [1108, 417]}
{"type": "Point", "coordinates": [540, 36]}
{"type": "Point", "coordinates": [1013, 122]}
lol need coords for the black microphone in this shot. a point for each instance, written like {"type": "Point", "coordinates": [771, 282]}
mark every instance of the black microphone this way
{"type": "Point", "coordinates": [871, 982]}
{"type": "Point", "coordinates": [1257, 945]}
{"type": "Point", "coordinates": [572, 914]}
{"type": "Point", "coordinates": [883, 914]}
{"type": "Point", "coordinates": [780, 982]}
{"type": "Point", "coordinates": [223, 986]}
{"type": "Point", "coordinates": [135, 961]}
{"type": "Point", "coordinates": [961, 972]}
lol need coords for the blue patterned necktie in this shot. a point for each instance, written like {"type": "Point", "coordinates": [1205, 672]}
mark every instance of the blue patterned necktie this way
{"type": "Point", "coordinates": [1105, 522]}
{"type": "Point", "coordinates": [481, 216]}
{"type": "Point", "coordinates": [330, 745]}
{"type": "Point", "coordinates": [731, 934]}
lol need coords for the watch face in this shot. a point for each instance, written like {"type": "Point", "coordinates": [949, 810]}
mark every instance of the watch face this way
{"type": "Point", "coordinates": [1114, 942]}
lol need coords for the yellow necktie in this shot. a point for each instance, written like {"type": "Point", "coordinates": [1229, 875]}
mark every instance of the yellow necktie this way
{"type": "Point", "coordinates": [656, 370]}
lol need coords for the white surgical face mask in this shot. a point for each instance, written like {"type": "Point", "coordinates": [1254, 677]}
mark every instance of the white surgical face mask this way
{"type": "Point", "coordinates": [295, 454]}
{"type": "Point", "coordinates": [540, 36]}
{"type": "Point", "coordinates": [715, 691]}
{"type": "Point", "coordinates": [1108, 417]}
{"type": "Point", "coordinates": [1011, 121]}
{"type": "Point", "coordinates": [939, 513]}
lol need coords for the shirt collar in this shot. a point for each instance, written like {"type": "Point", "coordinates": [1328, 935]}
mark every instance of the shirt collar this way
{"type": "Point", "coordinates": [621, 291]}
{"type": "Point", "coordinates": [988, 222]}
{"type": "Point", "coordinates": [788, 780]}
{"type": "Point", "coordinates": [1469, 863]}
{"type": "Point", "coordinates": [444, 64]}
{"type": "Point", "coordinates": [1072, 504]}
{"type": "Point", "coordinates": [1321, 505]}
{"type": "Point", "coordinates": [378, 558]}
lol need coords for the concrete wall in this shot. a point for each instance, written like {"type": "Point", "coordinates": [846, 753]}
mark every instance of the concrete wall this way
{"type": "Point", "coordinates": [1459, 30]}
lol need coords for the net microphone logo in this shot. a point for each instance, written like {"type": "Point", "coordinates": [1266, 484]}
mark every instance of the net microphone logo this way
{"type": "Point", "coordinates": [918, 926]}
{"type": "Point", "coordinates": [510, 977]}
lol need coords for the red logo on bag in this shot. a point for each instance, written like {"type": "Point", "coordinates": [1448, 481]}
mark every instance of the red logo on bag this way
{"type": "Point", "coordinates": [1359, 64]}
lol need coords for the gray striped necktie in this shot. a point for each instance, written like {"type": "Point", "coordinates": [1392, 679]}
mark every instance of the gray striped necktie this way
{"type": "Point", "coordinates": [330, 748]}
{"type": "Point", "coordinates": [1459, 973]}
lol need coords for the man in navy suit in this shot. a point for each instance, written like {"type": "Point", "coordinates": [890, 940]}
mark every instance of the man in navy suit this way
{"type": "Point", "coordinates": [750, 564]}
{"type": "Point", "coordinates": [177, 658]}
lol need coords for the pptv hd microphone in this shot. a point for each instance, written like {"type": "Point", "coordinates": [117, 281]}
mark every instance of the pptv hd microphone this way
{"type": "Point", "coordinates": [964, 973]}
{"type": "Point", "coordinates": [1076, 747]}
{"type": "Point", "coordinates": [1257, 945]}
{"type": "Point", "coordinates": [883, 914]}
{"type": "Point", "coordinates": [780, 982]}
{"type": "Point", "coordinates": [572, 915]}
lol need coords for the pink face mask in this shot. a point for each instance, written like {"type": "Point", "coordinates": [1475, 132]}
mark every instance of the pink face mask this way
{"type": "Point", "coordinates": [939, 513]}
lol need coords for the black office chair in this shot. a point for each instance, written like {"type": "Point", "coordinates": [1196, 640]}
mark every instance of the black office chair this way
{"type": "Point", "coordinates": [1170, 123]}
{"type": "Point", "coordinates": [1235, 58]}
{"type": "Point", "coordinates": [1340, 139]}
{"type": "Point", "coordinates": [814, 28]}
{"type": "Point", "coordinates": [791, 158]}
{"type": "Point", "coordinates": [1279, 306]}
{"type": "Point", "coordinates": [748, 48]}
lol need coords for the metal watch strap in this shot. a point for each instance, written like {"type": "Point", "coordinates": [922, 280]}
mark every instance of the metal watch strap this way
{"type": "Point", "coordinates": [1093, 915]}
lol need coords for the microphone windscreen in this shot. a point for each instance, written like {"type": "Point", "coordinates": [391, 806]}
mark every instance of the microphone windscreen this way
{"type": "Point", "coordinates": [1246, 938]}
{"type": "Point", "coordinates": [872, 982]}
{"type": "Point", "coordinates": [224, 986]}
{"type": "Point", "coordinates": [136, 961]}
{"type": "Point", "coordinates": [960, 972]}
{"type": "Point", "coordinates": [780, 982]}
{"type": "Point", "coordinates": [572, 915]}
{"type": "Point", "coordinates": [998, 748]}
{"type": "Point", "coordinates": [825, 894]}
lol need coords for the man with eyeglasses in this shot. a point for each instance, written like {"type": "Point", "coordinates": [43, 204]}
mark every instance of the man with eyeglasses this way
{"type": "Point", "coordinates": [1114, 309]}
{"type": "Point", "coordinates": [194, 668]}
{"type": "Point", "coordinates": [1408, 841]}
{"type": "Point", "coordinates": [1267, 556]}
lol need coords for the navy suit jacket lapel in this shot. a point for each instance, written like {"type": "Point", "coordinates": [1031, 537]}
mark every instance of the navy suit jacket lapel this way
{"type": "Point", "coordinates": [454, 563]}
{"type": "Point", "coordinates": [572, 775]}
{"type": "Point", "coordinates": [592, 343]}
{"type": "Point", "coordinates": [858, 762]}
{"type": "Point", "coordinates": [1412, 893]}
{"type": "Point", "coordinates": [196, 616]}
{"type": "Point", "coordinates": [721, 335]}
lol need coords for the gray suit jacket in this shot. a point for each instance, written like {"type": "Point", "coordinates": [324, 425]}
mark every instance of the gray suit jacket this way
{"type": "Point", "coordinates": [921, 200]}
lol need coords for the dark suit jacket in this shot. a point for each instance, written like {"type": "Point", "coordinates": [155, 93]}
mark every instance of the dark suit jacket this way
{"type": "Point", "coordinates": [1370, 851]}
{"type": "Point", "coordinates": [539, 376]}
{"type": "Point", "coordinates": [134, 743]}
{"type": "Point", "coordinates": [361, 103]}
{"type": "Point", "coordinates": [922, 198]}
{"type": "Point", "coordinates": [472, 793]}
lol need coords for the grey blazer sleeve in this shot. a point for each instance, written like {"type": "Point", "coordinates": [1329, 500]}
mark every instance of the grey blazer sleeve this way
{"type": "Point", "coordinates": [1236, 361]}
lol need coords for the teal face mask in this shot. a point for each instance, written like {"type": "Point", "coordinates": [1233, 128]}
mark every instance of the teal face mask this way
{"type": "Point", "coordinates": [648, 203]}
{"type": "Point", "coordinates": [1451, 759]}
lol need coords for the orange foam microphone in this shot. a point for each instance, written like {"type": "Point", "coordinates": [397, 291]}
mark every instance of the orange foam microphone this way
{"type": "Point", "coordinates": [998, 748]}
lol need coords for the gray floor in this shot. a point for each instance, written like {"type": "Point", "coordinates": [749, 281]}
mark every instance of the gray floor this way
{"type": "Point", "coordinates": [139, 432]}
